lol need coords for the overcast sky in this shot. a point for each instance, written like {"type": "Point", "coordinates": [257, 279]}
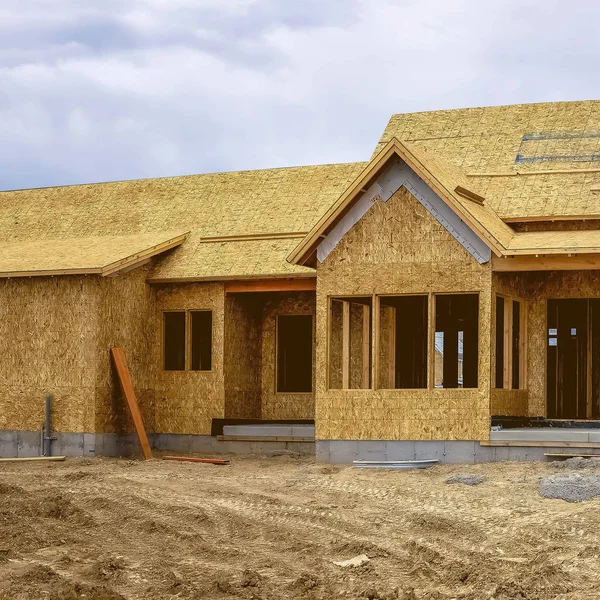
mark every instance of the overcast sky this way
{"type": "Point", "coordinates": [97, 90]}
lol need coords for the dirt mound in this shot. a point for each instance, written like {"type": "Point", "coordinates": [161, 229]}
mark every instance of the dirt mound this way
{"type": "Point", "coordinates": [572, 487]}
{"type": "Point", "coordinates": [43, 582]}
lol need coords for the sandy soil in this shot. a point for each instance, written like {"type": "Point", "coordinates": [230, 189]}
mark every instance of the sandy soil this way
{"type": "Point", "coordinates": [270, 528]}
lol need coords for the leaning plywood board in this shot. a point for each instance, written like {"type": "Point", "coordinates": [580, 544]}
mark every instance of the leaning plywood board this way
{"type": "Point", "coordinates": [129, 393]}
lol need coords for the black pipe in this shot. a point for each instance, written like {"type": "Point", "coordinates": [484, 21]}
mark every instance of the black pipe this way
{"type": "Point", "coordinates": [47, 433]}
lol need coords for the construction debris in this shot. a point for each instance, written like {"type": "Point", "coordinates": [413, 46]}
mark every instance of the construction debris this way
{"type": "Point", "coordinates": [357, 561]}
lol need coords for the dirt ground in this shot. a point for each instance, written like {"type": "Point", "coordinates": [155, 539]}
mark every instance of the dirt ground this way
{"type": "Point", "coordinates": [271, 528]}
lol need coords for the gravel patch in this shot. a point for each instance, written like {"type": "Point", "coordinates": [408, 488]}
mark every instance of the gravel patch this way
{"type": "Point", "coordinates": [572, 487]}
{"type": "Point", "coordinates": [466, 479]}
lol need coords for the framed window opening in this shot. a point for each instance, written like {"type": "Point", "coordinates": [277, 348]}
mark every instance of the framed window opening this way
{"type": "Point", "coordinates": [403, 341]}
{"type": "Point", "coordinates": [511, 343]}
{"type": "Point", "coordinates": [187, 340]}
{"type": "Point", "coordinates": [350, 343]}
{"type": "Point", "coordinates": [456, 341]}
{"type": "Point", "coordinates": [294, 354]}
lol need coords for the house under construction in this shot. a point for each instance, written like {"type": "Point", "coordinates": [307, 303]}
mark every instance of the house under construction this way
{"type": "Point", "coordinates": [441, 300]}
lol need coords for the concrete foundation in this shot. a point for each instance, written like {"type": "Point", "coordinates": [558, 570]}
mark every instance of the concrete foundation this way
{"type": "Point", "coordinates": [446, 452]}
{"type": "Point", "coordinates": [25, 444]}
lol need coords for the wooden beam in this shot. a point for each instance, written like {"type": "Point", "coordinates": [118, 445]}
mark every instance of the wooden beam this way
{"type": "Point", "coordinates": [211, 461]}
{"type": "Point", "coordinates": [118, 355]}
{"type": "Point", "coordinates": [551, 218]}
{"type": "Point", "coordinates": [301, 284]}
{"type": "Point", "coordinates": [507, 375]}
{"type": "Point", "coordinates": [34, 458]}
{"type": "Point", "coordinates": [366, 357]}
{"type": "Point", "coordinates": [534, 444]}
{"type": "Point", "coordinates": [523, 345]}
{"type": "Point", "coordinates": [547, 263]}
{"type": "Point", "coordinates": [392, 348]}
{"type": "Point", "coordinates": [345, 344]}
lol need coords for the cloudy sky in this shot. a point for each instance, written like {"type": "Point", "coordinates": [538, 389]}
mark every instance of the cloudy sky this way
{"type": "Point", "coordinates": [100, 90]}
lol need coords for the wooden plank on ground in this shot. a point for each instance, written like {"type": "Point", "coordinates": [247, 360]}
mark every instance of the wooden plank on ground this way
{"type": "Point", "coordinates": [211, 461]}
{"type": "Point", "coordinates": [576, 455]}
{"type": "Point", "coordinates": [118, 355]}
{"type": "Point", "coordinates": [34, 458]}
{"type": "Point", "coordinates": [535, 444]}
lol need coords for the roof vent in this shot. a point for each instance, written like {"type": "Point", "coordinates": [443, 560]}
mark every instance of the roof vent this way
{"type": "Point", "coordinates": [469, 195]}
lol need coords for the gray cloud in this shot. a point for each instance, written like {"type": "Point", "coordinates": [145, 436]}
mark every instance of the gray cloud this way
{"type": "Point", "coordinates": [102, 90]}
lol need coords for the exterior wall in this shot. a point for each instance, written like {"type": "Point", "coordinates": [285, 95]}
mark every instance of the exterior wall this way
{"type": "Point", "coordinates": [514, 403]}
{"type": "Point", "coordinates": [399, 248]}
{"type": "Point", "coordinates": [537, 288]}
{"type": "Point", "coordinates": [187, 401]}
{"type": "Point", "coordinates": [48, 331]}
{"type": "Point", "coordinates": [282, 405]}
{"type": "Point", "coordinates": [242, 360]}
{"type": "Point", "coordinates": [126, 318]}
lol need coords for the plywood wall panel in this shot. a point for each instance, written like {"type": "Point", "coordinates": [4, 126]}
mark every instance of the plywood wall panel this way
{"type": "Point", "coordinates": [284, 405]}
{"type": "Point", "coordinates": [399, 248]}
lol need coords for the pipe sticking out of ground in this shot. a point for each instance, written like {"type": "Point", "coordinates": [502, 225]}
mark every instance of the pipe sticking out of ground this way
{"type": "Point", "coordinates": [48, 432]}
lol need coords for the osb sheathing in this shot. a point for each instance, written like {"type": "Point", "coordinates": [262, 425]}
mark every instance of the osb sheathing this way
{"type": "Point", "coordinates": [48, 341]}
{"type": "Point", "coordinates": [537, 288]}
{"type": "Point", "coordinates": [522, 138]}
{"type": "Point", "coordinates": [242, 360]}
{"type": "Point", "coordinates": [127, 319]}
{"type": "Point", "coordinates": [56, 337]}
{"type": "Point", "coordinates": [268, 201]}
{"type": "Point", "coordinates": [398, 247]}
{"type": "Point", "coordinates": [509, 403]}
{"type": "Point", "coordinates": [187, 401]}
{"type": "Point", "coordinates": [277, 405]}
{"type": "Point", "coordinates": [504, 402]}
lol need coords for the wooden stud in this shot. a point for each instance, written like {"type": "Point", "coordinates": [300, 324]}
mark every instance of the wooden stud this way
{"type": "Point", "coordinates": [507, 377]}
{"type": "Point", "coordinates": [392, 348]}
{"type": "Point", "coordinates": [345, 344]}
{"type": "Point", "coordinates": [523, 345]}
{"type": "Point", "coordinates": [431, 342]}
{"type": "Point", "coordinates": [375, 342]}
{"type": "Point", "coordinates": [366, 357]}
{"type": "Point", "coordinates": [118, 355]}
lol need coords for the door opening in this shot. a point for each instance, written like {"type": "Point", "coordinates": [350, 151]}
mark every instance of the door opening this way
{"type": "Point", "coordinates": [573, 363]}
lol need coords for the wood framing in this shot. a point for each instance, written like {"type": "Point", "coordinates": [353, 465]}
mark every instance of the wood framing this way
{"type": "Point", "coordinates": [272, 285]}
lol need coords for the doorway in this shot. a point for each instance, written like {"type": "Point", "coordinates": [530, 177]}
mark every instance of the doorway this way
{"type": "Point", "coordinates": [573, 367]}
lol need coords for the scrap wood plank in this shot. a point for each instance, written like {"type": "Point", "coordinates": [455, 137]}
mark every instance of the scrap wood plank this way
{"type": "Point", "coordinates": [118, 355]}
{"type": "Point", "coordinates": [34, 458]}
{"type": "Point", "coordinates": [539, 444]}
{"type": "Point", "coordinates": [211, 461]}
{"type": "Point", "coordinates": [563, 455]}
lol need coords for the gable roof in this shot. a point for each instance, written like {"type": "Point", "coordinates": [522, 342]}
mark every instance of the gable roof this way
{"type": "Point", "coordinates": [104, 255]}
{"type": "Point", "coordinates": [271, 204]}
{"type": "Point", "coordinates": [528, 160]}
{"type": "Point", "coordinates": [444, 179]}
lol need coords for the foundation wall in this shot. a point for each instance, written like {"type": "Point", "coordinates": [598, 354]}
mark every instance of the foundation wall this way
{"type": "Point", "coordinates": [399, 248]}
{"type": "Point", "coordinates": [276, 405]}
